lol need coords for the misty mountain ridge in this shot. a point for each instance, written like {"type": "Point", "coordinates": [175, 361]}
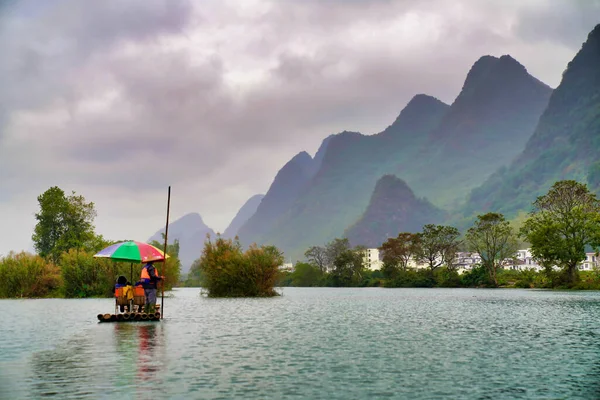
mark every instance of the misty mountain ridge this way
{"type": "Point", "coordinates": [564, 145]}
{"type": "Point", "coordinates": [484, 129]}
{"type": "Point", "coordinates": [289, 182]}
{"type": "Point", "coordinates": [393, 208]}
{"type": "Point", "coordinates": [191, 232]}
{"type": "Point", "coordinates": [243, 215]}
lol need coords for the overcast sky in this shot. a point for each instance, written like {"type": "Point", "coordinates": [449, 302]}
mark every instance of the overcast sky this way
{"type": "Point", "coordinates": [119, 99]}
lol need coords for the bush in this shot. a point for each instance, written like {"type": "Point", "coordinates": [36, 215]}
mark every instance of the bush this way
{"type": "Point", "coordinates": [28, 275]}
{"type": "Point", "coordinates": [86, 276]}
{"type": "Point", "coordinates": [476, 277]}
{"type": "Point", "coordinates": [306, 275]}
{"type": "Point", "coordinates": [229, 272]}
{"type": "Point", "coordinates": [411, 278]}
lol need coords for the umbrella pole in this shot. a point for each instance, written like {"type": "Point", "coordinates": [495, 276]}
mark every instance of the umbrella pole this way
{"type": "Point", "coordinates": [162, 296]}
{"type": "Point", "coordinates": [131, 273]}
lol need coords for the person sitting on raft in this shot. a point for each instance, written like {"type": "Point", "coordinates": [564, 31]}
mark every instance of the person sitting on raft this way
{"type": "Point", "coordinates": [125, 292]}
{"type": "Point", "coordinates": [149, 278]}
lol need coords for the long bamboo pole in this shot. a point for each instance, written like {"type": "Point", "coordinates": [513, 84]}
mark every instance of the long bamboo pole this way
{"type": "Point", "coordinates": [162, 296]}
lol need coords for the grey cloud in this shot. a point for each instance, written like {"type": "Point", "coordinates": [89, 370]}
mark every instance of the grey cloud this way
{"type": "Point", "coordinates": [44, 42]}
{"type": "Point", "coordinates": [561, 21]}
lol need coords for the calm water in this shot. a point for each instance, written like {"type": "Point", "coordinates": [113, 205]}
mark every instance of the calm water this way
{"type": "Point", "coordinates": [310, 343]}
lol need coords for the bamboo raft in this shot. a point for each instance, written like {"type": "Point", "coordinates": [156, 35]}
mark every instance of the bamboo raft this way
{"type": "Point", "coordinates": [129, 317]}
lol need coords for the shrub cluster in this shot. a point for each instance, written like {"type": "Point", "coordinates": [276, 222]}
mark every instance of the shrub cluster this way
{"type": "Point", "coordinates": [228, 271]}
{"type": "Point", "coordinates": [77, 275]}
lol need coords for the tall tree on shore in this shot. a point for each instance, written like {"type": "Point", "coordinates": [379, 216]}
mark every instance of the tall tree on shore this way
{"type": "Point", "coordinates": [438, 245]}
{"type": "Point", "coordinates": [63, 223]}
{"type": "Point", "coordinates": [494, 239]}
{"type": "Point", "coordinates": [398, 252]}
{"type": "Point", "coordinates": [563, 222]}
{"type": "Point", "coordinates": [317, 256]}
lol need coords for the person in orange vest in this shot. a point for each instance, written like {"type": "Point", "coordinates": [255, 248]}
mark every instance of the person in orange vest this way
{"type": "Point", "coordinates": [149, 279]}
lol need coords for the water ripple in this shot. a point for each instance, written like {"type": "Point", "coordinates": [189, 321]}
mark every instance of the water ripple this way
{"type": "Point", "coordinates": [311, 343]}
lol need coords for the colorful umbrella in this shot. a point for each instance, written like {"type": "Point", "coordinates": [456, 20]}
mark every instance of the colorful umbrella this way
{"type": "Point", "coordinates": [132, 251]}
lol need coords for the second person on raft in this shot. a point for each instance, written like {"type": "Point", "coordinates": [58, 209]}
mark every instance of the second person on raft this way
{"type": "Point", "coordinates": [149, 279]}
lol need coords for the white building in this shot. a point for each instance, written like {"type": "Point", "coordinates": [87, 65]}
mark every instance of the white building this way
{"type": "Point", "coordinates": [371, 259]}
{"type": "Point", "coordinates": [590, 263]}
{"type": "Point", "coordinates": [287, 267]}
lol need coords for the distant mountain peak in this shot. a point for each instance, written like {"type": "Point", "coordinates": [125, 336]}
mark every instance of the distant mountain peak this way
{"type": "Point", "coordinates": [191, 231]}
{"type": "Point", "coordinates": [564, 144]}
{"type": "Point", "coordinates": [393, 208]}
{"type": "Point", "coordinates": [417, 112]}
{"type": "Point", "coordinates": [301, 157]}
{"type": "Point", "coordinates": [489, 69]}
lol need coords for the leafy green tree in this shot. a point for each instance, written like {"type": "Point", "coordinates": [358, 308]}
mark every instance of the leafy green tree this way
{"type": "Point", "coordinates": [563, 222]}
{"type": "Point", "coordinates": [335, 249]}
{"type": "Point", "coordinates": [438, 245]}
{"type": "Point", "coordinates": [494, 239]}
{"type": "Point", "coordinates": [348, 267]}
{"type": "Point", "coordinates": [397, 253]}
{"type": "Point", "coordinates": [317, 256]}
{"type": "Point", "coordinates": [63, 223]}
{"type": "Point", "coordinates": [306, 275]}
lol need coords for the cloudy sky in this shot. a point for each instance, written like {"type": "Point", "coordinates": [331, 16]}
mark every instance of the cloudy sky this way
{"type": "Point", "coordinates": [119, 99]}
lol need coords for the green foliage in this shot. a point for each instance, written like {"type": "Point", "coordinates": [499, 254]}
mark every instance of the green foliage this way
{"type": "Point", "coordinates": [494, 239]}
{"type": "Point", "coordinates": [306, 275]}
{"type": "Point", "coordinates": [28, 275]}
{"type": "Point", "coordinates": [63, 223]}
{"type": "Point", "coordinates": [85, 276]}
{"type": "Point", "coordinates": [476, 277]}
{"type": "Point", "coordinates": [195, 277]}
{"type": "Point", "coordinates": [562, 224]}
{"type": "Point", "coordinates": [398, 252]}
{"type": "Point", "coordinates": [230, 272]}
{"type": "Point", "coordinates": [411, 278]}
{"type": "Point", "coordinates": [339, 263]}
{"type": "Point", "coordinates": [348, 268]}
{"type": "Point", "coordinates": [317, 256]}
{"type": "Point", "coordinates": [438, 245]}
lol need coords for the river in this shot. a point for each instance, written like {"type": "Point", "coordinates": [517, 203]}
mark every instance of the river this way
{"type": "Point", "coordinates": [310, 343]}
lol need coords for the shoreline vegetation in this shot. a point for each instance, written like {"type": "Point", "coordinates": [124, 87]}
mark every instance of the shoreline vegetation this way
{"type": "Point", "coordinates": [564, 224]}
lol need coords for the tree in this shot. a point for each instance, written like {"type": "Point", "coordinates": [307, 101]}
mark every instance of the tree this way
{"type": "Point", "coordinates": [438, 245]}
{"type": "Point", "coordinates": [563, 222]}
{"type": "Point", "coordinates": [317, 256]}
{"type": "Point", "coordinates": [306, 275]}
{"type": "Point", "coordinates": [397, 253]}
{"type": "Point", "coordinates": [63, 223]}
{"type": "Point", "coordinates": [335, 249]}
{"type": "Point", "coordinates": [494, 239]}
{"type": "Point", "coordinates": [348, 267]}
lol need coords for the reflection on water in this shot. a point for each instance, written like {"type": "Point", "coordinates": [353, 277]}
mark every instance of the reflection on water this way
{"type": "Point", "coordinates": [132, 361]}
{"type": "Point", "coordinates": [312, 343]}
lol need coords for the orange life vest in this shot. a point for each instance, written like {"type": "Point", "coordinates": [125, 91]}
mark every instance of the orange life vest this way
{"type": "Point", "coordinates": [145, 277]}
